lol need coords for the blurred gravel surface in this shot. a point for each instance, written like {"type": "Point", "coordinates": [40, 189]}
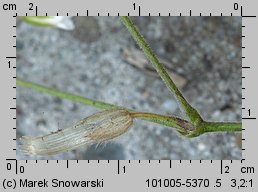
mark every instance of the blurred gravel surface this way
{"type": "Point", "coordinates": [88, 61]}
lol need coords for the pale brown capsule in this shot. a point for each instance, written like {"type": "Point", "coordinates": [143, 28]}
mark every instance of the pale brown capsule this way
{"type": "Point", "coordinates": [100, 127]}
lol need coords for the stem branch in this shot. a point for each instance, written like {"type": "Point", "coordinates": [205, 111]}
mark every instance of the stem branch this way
{"type": "Point", "coordinates": [190, 112]}
{"type": "Point", "coordinates": [160, 119]}
{"type": "Point", "coordinates": [182, 126]}
{"type": "Point", "coordinates": [194, 128]}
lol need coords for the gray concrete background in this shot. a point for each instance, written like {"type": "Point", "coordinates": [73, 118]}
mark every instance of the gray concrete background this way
{"type": "Point", "coordinates": [89, 61]}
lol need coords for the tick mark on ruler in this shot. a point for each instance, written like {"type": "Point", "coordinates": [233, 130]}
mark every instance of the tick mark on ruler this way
{"type": "Point", "coordinates": [221, 167]}
{"type": "Point", "coordinates": [118, 172]}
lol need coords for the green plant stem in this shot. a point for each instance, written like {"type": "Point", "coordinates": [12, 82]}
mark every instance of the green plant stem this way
{"type": "Point", "coordinates": [206, 127]}
{"type": "Point", "coordinates": [184, 127]}
{"type": "Point", "coordinates": [194, 128]}
{"type": "Point", "coordinates": [190, 112]}
{"type": "Point", "coordinates": [222, 126]}
{"type": "Point", "coordinates": [180, 124]}
{"type": "Point", "coordinates": [160, 119]}
{"type": "Point", "coordinates": [65, 95]}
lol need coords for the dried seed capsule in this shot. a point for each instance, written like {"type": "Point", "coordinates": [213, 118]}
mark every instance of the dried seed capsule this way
{"type": "Point", "coordinates": [97, 128]}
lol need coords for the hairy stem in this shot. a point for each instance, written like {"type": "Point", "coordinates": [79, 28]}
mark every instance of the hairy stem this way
{"type": "Point", "coordinates": [190, 112]}
{"type": "Point", "coordinates": [171, 121]}
{"type": "Point", "coordinates": [160, 119]}
{"type": "Point", "coordinates": [182, 126]}
{"type": "Point", "coordinates": [65, 95]}
{"type": "Point", "coordinates": [222, 126]}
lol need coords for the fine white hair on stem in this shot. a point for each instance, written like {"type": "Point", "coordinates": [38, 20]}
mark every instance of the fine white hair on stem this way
{"type": "Point", "coordinates": [100, 127]}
